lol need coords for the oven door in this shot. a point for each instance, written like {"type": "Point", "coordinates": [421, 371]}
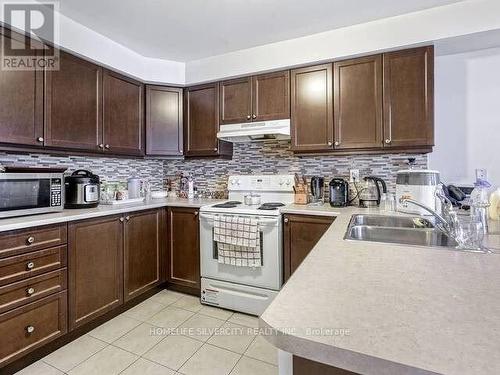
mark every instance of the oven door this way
{"type": "Point", "coordinates": [269, 275]}
{"type": "Point", "coordinates": [27, 193]}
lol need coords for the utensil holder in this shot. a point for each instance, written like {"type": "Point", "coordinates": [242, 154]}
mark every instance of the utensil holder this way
{"type": "Point", "coordinates": [300, 198]}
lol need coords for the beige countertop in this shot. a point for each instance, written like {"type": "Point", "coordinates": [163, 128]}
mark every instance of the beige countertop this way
{"type": "Point", "coordinates": [102, 210]}
{"type": "Point", "coordinates": [389, 309]}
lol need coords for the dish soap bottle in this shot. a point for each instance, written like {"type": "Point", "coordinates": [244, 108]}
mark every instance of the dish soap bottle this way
{"type": "Point", "coordinates": [480, 203]}
{"type": "Point", "coordinates": [494, 209]}
{"type": "Point", "coordinates": [190, 188]}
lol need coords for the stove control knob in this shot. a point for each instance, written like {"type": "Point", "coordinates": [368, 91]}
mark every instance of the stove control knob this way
{"type": "Point", "coordinates": [288, 182]}
{"type": "Point", "coordinates": [238, 182]}
{"type": "Point", "coordinates": [233, 182]}
{"type": "Point", "coordinates": [281, 182]}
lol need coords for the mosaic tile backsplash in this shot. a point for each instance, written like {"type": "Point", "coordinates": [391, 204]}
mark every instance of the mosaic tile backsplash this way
{"type": "Point", "coordinates": [268, 157]}
{"type": "Point", "coordinates": [275, 157]}
{"type": "Point", "coordinates": [108, 169]}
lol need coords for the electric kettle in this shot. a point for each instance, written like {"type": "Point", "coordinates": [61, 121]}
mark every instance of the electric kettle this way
{"type": "Point", "coordinates": [370, 193]}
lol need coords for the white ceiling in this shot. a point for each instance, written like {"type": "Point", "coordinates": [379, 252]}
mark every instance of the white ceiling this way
{"type": "Point", "coordinates": [185, 30]}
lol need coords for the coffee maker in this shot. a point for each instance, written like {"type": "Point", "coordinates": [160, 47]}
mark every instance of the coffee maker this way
{"type": "Point", "coordinates": [339, 192]}
{"type": "Point", "coordinates": [317, 190]}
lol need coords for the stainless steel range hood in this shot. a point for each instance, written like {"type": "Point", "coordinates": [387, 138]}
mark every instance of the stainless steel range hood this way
{"type": "Point", "coordinates": [255, 131]}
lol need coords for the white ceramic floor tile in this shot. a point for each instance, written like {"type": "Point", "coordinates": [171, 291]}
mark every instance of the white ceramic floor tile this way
{"type": "Point", "coordinates": [250, 366]}
{"type": "Point", "coordinates": [144, 310]}
{"type": "Point", "coordinates": [173, 351]}
{"type": "Point", "coordinates": [245, 320]}
{"type": "Point", "coordinates": [210, 360]}
{"type": "Point", "coordinates": [200, 327]}
{"type": "Point", "coordinates": [262, 350]}
{"type": "Point", "coordinates": [190, 303]}
{"type": "Point", "coordinates": [109, 361]}
{"type": "Point", "coordinates": [39, 368]}
{"type": "Point", "coordinates": [144, 367]}
{"type": "Point", "coordinates": [170, 317]}
{"type": "Point", "coordinates": [167, 297]}
{"type": "Point", "coordinates": [75, 352]}
{"type": "Point", "coordinates": [215, 312]}
{"type": "Point", "coordinates": [139, 340]}
{"type": "Point", "coordinates": [233, 337]}
{"type": "Point", "coordinates": [114, 328]}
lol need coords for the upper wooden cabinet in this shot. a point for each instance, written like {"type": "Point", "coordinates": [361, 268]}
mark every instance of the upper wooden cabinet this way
{"type": "Point", "coordinates": [236, 101]}
{"type": "Point", "coordinates": [123, 114]}
{"type": "Point", "coordinates": [143, 257]}
{"type": "Point", "coordinates": [164, 127]}
{"type": "Point", "coordinates": [73, 105]}
{"type": "Point", "coordinates": [257, 98]}
{"type": "Point", "coordinates": [409, 98]}
{"type": "Point", "coordinates": [312, 108]}
{"type": "Point", "coordinates": [184, 249]}
{"type": "Point", "coordinates": [358, 103]}
{"type": "Point", "coordinates": [201, 122]}
{"type": "Point", "coordinates": [21, 101]}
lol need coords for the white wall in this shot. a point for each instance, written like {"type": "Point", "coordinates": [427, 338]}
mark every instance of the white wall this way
{"type": "Point", "coordinates": [467, 94]}
{"type": "Point", "coordinates": [427, 26]}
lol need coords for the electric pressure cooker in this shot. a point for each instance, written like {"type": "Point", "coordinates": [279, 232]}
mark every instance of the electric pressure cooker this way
{"type": "Point", "coordinates": [82, 189]}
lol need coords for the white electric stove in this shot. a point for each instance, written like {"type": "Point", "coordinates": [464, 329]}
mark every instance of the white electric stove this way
{"type": "Point", "coordinates": [246, 289]}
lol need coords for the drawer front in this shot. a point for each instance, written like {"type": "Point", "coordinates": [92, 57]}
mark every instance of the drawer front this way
{"type": "Point", "coordinates": [25, 240]}
{"type": "Point", "coordinates": [32, 289]}
{"type": "Point", "coordinates": [31, 264]}
{"type": "Point", "coordinates": [31, 326]}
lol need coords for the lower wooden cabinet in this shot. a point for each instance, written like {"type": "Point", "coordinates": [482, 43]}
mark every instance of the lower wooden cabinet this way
{"type": "Point", "coordinates": [95, 268]}
{"type": "Point", "coordinates": [303, 366]}
{"type": "Point", "coordinates": [300, 235]}
{"type": "Point", "coordinates": [184, 249]}
{"type": "Point", "coordinates": [31, 326]}
{"type": "Point", "coordinates": [143, 245]}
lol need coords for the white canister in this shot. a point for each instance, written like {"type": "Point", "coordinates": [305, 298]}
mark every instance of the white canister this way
{"type": "Point", "coordinates": [134, 187]}
{"type": "Point", "coordinates": [418, 185]}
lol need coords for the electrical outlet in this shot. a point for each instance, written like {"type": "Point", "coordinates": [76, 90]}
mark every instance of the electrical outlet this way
{"type": "Point", "coordinates": [353, 175]}
{"type": "Point", "coordinates": [481, 174]}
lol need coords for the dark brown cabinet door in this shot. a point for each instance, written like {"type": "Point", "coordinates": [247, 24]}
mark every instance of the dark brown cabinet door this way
{"type": "Point", "coordinates": [21, 101]}
{"type": "Point", "coordinates": [142, 252]}
{"type": "Point", "coordinates": [123, 120]}
{"type": "Point", "coordinates": [312, 108]}
{"type": "Point", "coordinates": [201, 122]}
{"type": "Point", "coordinates": [300, 235]}
{"type": "Point", "coordinates": [271, 96]}
{"type": "Point", "coordinates": [409, 98]}
{"type": "Point", "coordinates": [73, 105]}
{"type": "Point", "coordinates": [236, 101]}
{"type": "Point", "coordinates": [164, 133]}
{"type": "Point", "coordinates": [95, 268]}
{"type": "Point", "coordinates": [184, 249]}
{"type": "Point", "coordinates": [357, 101]}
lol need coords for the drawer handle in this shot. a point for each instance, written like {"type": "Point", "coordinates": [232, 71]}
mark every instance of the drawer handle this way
{"type": "Point", "coordinates": [30, 329]}
{"type": "Point", "coordinates": [30, 291]}
{"type": "Point", "coordinates": [30, 265]}
{"type": "Point", "coordinates": [30, 240]}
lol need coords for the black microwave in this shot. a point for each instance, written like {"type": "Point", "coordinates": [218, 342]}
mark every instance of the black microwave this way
{"type": "Point", "coordinates": [30, 193]}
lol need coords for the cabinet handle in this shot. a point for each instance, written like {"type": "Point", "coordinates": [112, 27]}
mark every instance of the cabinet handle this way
{"type": "Point", "coordinates": [337, 143]}
{"type": "Point", "coordinates": [40, 139]}
{"type": "Point", "coordinates": [254, 116]}
{"type": "Point", "coordinates": [101, 146]}
{"type": "Point", "coordinates": [180, 152]}
{"type": "Point", "coordinates": [30, 240]}
{"type": "Point", "coordinates": [30, 329]}
{"type": "Point", "coordinates": [106, 147]}
{"type": "Point", "coordinates": [121, 220]}
{"type": "Point", "coordinates": [329, 143]}
{"type": "Point", "coordinates": [30, 291]}
{"type": "Point", "coordinates": [387, 141]}
{"type": "Point", "coordinates": [30, 265]}
{"type": "Point", "coordinates": [215, 148]}
{"type": "Point", "coordinates": [196, 213]}
{"type": "Point", "coordinates": [127, 218]}
{"type": "Point", "coordinates": [249, 117]}
{"type": "Point", "coordinates": [286, 220]}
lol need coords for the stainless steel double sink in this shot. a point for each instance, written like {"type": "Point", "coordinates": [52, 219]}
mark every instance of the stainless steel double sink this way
{"type": "Point", "coordinates": [404, 230]}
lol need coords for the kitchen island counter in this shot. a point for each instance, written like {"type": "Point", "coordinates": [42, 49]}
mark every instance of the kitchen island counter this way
{"type": "Point", "coordinates": [375, 308]}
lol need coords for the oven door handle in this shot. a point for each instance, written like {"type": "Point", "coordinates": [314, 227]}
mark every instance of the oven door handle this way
{"type": "Point", "coordinates": [261, 222]}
